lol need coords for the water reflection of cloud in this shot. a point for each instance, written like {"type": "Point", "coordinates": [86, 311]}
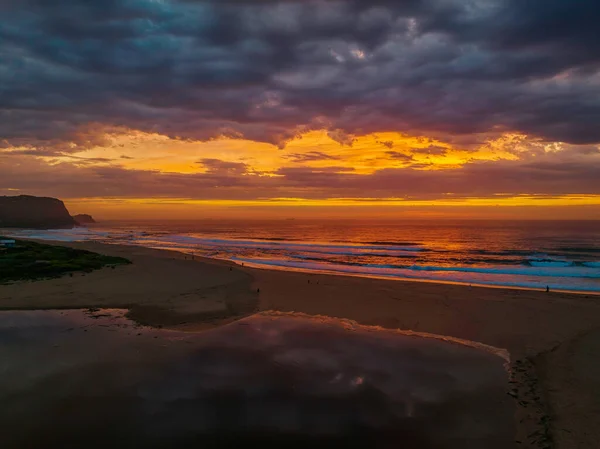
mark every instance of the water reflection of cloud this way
{"type": "Point", "coordinates": [267, 375]}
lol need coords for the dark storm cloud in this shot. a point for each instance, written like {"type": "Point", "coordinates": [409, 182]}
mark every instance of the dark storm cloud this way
{"type": "Point", "coordinates": [569, 26]}
{"type": "Point", "coordinates": [269, 70]}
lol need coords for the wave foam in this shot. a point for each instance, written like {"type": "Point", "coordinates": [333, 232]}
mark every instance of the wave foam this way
{"type": "Point", "coordinates": [575, 278]}
{"type": "Point", "coordinates": [361, 259]}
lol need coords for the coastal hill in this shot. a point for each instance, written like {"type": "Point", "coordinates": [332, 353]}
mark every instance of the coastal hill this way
{"type": "Point", "coordinates": [26, 211]}
{"type": "Point", "coordinates": [83, 219]}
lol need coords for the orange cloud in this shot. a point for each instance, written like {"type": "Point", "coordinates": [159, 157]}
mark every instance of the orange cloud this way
{"type": "Point", "coordinates": [314, 171]}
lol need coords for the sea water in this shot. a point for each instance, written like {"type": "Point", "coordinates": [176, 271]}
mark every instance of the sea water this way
{"type": "Point", "coordinates": [561, 255]}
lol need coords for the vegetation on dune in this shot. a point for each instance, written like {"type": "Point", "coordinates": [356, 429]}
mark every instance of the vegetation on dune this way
{"type": "Point", "coordinates": [32, 261]}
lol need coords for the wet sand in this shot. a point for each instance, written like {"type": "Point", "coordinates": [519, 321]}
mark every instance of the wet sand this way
{"type": "Point", "coordinates": [164, 289]}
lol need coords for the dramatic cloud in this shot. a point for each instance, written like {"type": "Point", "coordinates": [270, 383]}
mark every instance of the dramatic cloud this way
{"type": "Point", "coordinates": [310, 156]}
{"type": "Point", "coordinates": [431, 150]}
{"type": "Point", "coordinates": [399, 156]}
{"type": "Point", "coordinates": [545, 174]}
{"type": "Point", "coordinates": [321, 98]}
{"type": "Point", "coordinates": [216, 166]}
{"type": "Point", "coordinates": [270, 70]}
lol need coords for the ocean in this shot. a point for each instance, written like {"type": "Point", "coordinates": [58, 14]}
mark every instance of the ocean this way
{"type": "Point", "coordinates": [563, 255]}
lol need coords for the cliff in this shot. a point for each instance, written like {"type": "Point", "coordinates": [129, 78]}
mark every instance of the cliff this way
{"type": "Point", "coordinates": [33, 212]}
{"type": "Point", "coordinates": [83, 219]}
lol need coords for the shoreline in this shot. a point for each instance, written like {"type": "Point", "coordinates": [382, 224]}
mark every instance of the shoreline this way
{"type": "Point", "coordinates": [284, 268]}
{"type": "Point", "coordinates": [258, 266]}
{"type": "Point", "coordinates": [255, 276]}
{"type": "Point", "coordinates": [402, 279]}
{"type": "Point", "coordinates": [164, 288]}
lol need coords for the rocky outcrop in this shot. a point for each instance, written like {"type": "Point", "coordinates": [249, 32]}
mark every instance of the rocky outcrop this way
{"type": "Point", "coordinates": [33, 212]}
{"type": "Point", "coordinates": [83, 219]}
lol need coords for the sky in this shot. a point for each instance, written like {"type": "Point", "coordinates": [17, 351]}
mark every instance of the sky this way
{"type": "Point", "coordinates": [303, 108]}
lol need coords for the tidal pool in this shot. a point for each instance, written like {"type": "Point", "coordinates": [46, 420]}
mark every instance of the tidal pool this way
{"type": "Point", "coordinates": [97, 380]}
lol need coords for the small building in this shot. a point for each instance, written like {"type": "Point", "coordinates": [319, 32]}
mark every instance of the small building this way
{"type": "Point", "coordinates": [8, 243]}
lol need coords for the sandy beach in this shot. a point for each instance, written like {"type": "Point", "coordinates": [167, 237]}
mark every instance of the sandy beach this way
{"type": "Point", "coordinates": [553, 338]}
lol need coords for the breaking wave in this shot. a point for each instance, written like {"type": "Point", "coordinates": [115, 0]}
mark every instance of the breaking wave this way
{"type": "Point", "coordinates": [561, 267]}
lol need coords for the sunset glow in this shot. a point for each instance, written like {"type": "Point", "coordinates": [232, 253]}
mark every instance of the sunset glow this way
{"type": "Point", "coordinates": [329, 108]}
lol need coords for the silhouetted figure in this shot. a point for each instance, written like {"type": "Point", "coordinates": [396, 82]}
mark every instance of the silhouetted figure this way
{"type": "Point", "coordinates": [258, 290]}
{"type": "Point", "coordinates": [309, 281]}
{"type": "Point", "coordinates": [230, 268]}
{"type": "Point", "coordinates": [547, 288]}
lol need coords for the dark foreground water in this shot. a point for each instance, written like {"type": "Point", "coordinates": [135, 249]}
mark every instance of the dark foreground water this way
{"type": "Point", "coordinates": [74, 379]}
{"type": "Point", "coordinates": [564, 255]}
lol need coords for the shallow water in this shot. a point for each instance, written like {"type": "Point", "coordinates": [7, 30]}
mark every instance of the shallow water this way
{"type": "Point", "coordinates": [75, 379]}
{"type": "Point", "coordinates": [563, 255]}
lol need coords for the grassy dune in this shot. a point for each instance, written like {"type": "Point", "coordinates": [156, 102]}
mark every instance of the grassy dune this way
{"type": "Point", "coordinates": [32, 261]}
